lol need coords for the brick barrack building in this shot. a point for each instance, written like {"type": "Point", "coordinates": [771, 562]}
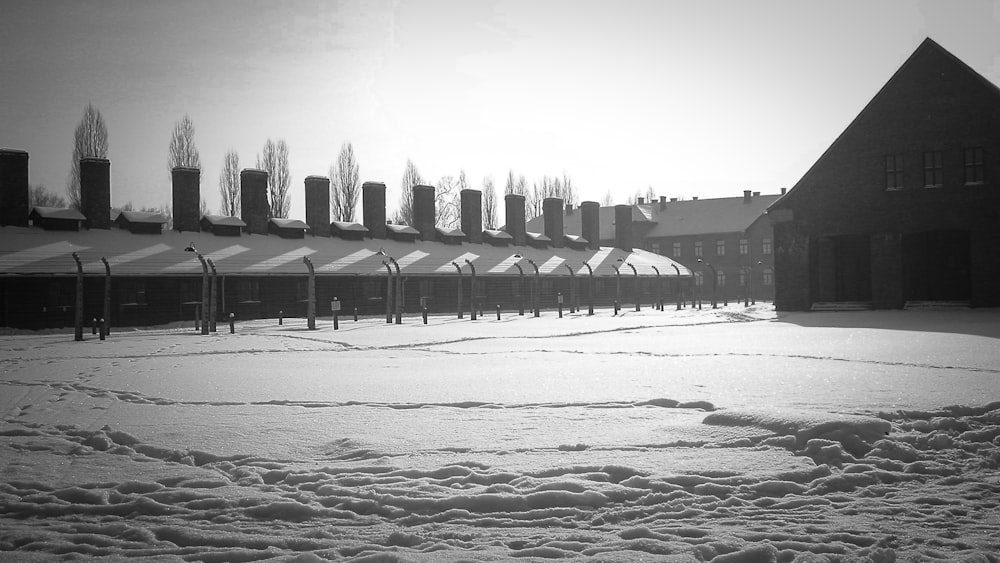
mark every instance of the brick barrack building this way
{"type": "Point", "coordinates": [903, 209]}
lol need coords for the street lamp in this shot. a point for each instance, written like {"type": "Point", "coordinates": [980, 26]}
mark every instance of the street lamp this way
{"type": "Point", "coordinates": [472, 289]}
{"type": "Point", "coordinates": [590, 290]}
{"type": "Point", "coordinates": [572, 288]}
{"type": "Point", "coordinates": [204, 287]}
{"type": "Point", "coordinates": [461, 315]}
{"type": "Point", "coordinates": [618, 283]}
{"type": "Point", "coordinates": [715, 304]}
{"type": "Point", "coordinates": [520, 285]}
{"type": "Point", "coordinates": [678, 270]}
{"type": "Point", "coordinates": [635, 276]}
{"type": "Point", "coordinates": [213, 299]}
{"type": "Point", "coordinates": [392, 303]}
{"type": "Point", "coordinates": [534, 287]}
{"type": "Point", "coordinates": [659, 294]}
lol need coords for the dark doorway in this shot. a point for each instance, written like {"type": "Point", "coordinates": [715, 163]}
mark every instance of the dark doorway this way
{"type": "Point", "coordinates": [936, 266]}
{"type": "Point", "coordinates": [842, 269]}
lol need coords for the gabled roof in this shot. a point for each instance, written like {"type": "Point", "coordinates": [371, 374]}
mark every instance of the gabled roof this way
{"type": "Point", "coordinates": [926, 51]}
{"type": "Point", "coordinates": [223, 221]}
{"type": "Point", "coordinates": [402, 229]}
{"type": "Point", "coordinates": [282, 223]}
{"type": "Point", "coordinates": [142, 217]}
{"type": "Point", "coordinates": [63, 213]}
{"type": "Point", "coordinates": [349, 226]}
{"type": "Point", "coordinates": [678, 218]}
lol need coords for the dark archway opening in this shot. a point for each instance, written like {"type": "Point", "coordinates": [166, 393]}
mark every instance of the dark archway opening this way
{"type": "Point", "coordinates": [936, 266]}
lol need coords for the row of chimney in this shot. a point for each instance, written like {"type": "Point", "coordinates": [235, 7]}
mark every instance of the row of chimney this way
{"type": "Point", "coordinates": [95, 199]}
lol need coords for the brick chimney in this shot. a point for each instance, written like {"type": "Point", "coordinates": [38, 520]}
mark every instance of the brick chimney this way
{"type": "Point", "coordinates": [318, 205]}
{"type": "Point", "coordinates": [186, 198]}
{"type": "Point", "coordinates": [472, 215]}
{"type": "Point", "coordinates": [95, 192]}
{"type": "Point", "coordinates": [747, 196]}
{"type": "Point", "coordinates": [640, 200]}
{"type": "Point", "coordinates": [590, 221]}
{"type": "Point", "coordinates": [623, 227]}
{"type": "Point", "coordinates": [663, 202]}
{"type": "Point", "coordinates": [552, 213]}
{"type": "Point", "coordinates": [515, 227]}
{"type": "Point", "coordinates": [423, 212]}
{"type": "Point", "coordinates": [253, 201]}
{"type": "Point", "coordinates": [14, 188]}
{"type": "Point", "coordinates": [373, 208]}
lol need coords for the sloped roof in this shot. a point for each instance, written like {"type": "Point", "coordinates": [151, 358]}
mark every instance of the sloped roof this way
{"type": "Point", "coordinates": [928, 48]}
{"type": "Point", "coordinates": [142, 217]}
{"type": "Point", "coordinates": [289, 223]}
{"type": "Point", "coordinates": [65, 213]}
{"type": "Point", "coordinates": [223, 221]}
{"type": "Point", "coordinates": [679, 218]}
{"type": "Point", "coordinates": [402, 229]}
{"type": "Point", "coordinates": [26, 251]}
{"type": "Point", "coordinates": [349, 226]}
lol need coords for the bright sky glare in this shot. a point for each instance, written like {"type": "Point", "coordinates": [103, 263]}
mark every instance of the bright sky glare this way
{"type": "Point", "coordinates": [692, 98]}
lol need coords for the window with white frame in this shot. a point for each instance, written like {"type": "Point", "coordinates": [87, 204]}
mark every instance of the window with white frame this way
{"type": "Point", "coordinates": [699, 279]}
{"type": "Point", "coordinates": [720, 278]}
{"type": "Point", "coordinates": [720, 247]}
{"type": "Point", "coordinates": [744, 247]}
{"type": "Point", "coordinates": [677, 250]}
{"type": "Point", "coordinates": [765, 246]}
{"type": "Point", "coordinates": [768, 276]}
{"type": "Point", "coordinates": [697, 249]}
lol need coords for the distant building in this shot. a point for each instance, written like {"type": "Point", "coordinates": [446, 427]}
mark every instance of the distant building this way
{"type": "Point", "coordinates": [904, 207]}
{"type": "Point", "coordinates": [731, 236]}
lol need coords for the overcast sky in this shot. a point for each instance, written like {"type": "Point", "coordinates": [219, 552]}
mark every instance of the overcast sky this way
{"type": "Point", "coordinates": [703, 98]}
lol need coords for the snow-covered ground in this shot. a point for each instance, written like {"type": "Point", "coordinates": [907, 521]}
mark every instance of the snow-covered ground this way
{"type": "Point", "coordinates": [715, 435]}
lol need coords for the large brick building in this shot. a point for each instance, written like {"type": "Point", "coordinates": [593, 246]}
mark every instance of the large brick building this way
{"type": "Point", "coordinates": [904, 206]}
{"type": "Point", "coordinates": [726, 242]}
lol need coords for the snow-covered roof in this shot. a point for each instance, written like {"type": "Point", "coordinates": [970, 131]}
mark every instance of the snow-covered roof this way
{"type": "Point", "coordinates": [288, 223]}
{"type": "Point", "coordinates": [142, 217]}
{"type": "Point", "coordinates": [67, 213]}
{"type": "Point", "coordinates": [28, 250]}
{"type": "Point", "coordinates": [224, 221]}
{"type": "Point", "coordinates": [349, 226]}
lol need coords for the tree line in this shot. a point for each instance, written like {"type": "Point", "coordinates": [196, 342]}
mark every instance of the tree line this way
{"type": "Point", "coordinates": [90, 139]}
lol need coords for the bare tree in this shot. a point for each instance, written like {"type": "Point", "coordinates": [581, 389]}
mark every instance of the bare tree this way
{"type": "Point", "coordinates": [489, 204]}
{"type": "Point", "coordinates": [274, 161]}
{"type": "Point", "coordinates": [38, 196]}
{"type": "Point", "coordinates": [650, 194]}
{"type": "Point", "coordinates": [183, 151]}
{"type": "Point", "coordinates": [568, 190]}
{"type": "Point", "coordinates": [90, 139]}
{"type": "Point", "coordinates": [447, 202]}
{"type": "Point", "coordinates": [634, 198]}
{"type": "Point", "coordinates": [229, 184]}
{"type": "Point", "coordinates": [608, 200]}
{"type": "Point", "coordinates": [346, 191]}
{"type": "Point", "coordinates": [411, 177]}
{"type": "Point", "coordinates": [514, 185]}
